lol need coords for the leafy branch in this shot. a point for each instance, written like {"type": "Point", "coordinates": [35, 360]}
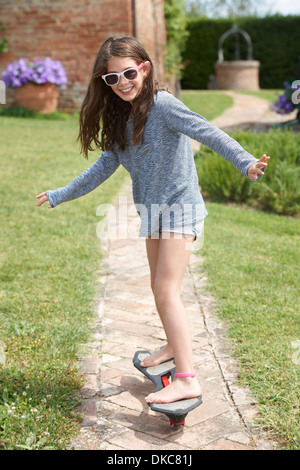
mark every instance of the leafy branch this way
{"type": "Point", "coordinates": [3, 42]}
{"type": "Point", "coordinates": [177, 35]}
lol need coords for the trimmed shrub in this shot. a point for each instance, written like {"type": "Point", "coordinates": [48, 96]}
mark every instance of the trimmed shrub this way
{"type": "Point", "coordinates": [279, 189]}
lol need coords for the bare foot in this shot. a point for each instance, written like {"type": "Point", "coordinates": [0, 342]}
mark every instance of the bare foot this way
{"type": "Point", "coordinates": [163, 355]}
{"type": "Point", "coordinates": [181, 388]}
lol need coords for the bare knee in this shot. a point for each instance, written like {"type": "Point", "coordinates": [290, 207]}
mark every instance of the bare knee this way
{"type": "Point", "coordinates": [164, 294]}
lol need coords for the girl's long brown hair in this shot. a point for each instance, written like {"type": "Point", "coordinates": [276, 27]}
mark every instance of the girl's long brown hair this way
{"type": "Point", "coordinates": [102, 108]}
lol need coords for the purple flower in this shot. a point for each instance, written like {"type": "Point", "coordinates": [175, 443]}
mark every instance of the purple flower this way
{"type": "Point", "coordinates": [47, 70]}
{"type": "Point", "coordinates": [282, 99]}
{"type": "Point", "coordinates": [288, 107]}
{"type": "Point", "coordinates": [284, 104]}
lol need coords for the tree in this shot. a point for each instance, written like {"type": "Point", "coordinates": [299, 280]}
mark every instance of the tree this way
{"type": "Point", "coordinates": [223, 8]}
{"type": "Point", "coordinates": [195, 8]}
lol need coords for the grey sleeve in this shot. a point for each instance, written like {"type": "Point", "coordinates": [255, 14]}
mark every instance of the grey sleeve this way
{"type": "Point", "coordinates": [92, 177]}
{"type": "Point", "coordinates": [180, 118]}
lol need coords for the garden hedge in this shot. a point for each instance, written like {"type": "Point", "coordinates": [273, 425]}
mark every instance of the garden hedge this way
{"type": "Point", "coordinates": [275, 40]}
{"type": "Point", "coordinates": [278, 191]}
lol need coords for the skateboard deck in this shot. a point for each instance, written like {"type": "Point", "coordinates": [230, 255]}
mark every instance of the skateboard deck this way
{"type": "Point", "coordinates": [160, 375]}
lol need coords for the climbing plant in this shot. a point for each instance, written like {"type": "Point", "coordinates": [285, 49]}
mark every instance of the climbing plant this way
{"type": "Point", "coordinates": [3, 42]}
{"type": "Point", "coordinates": [177, 35]}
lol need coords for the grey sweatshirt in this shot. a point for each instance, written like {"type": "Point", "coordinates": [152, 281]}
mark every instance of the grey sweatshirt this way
{"type": "Point", "coordinates": [162, 169]}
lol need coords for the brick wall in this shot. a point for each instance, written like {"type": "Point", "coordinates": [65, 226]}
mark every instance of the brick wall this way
{"type": "Point", "coordinates": [72, 31]}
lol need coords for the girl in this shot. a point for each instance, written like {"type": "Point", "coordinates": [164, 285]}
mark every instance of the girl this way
{"type": "Point", "coordinates": [148, 131]}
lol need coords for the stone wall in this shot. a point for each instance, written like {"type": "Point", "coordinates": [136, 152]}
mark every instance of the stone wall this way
{"type": "Point", "coordinates": [237, 75]}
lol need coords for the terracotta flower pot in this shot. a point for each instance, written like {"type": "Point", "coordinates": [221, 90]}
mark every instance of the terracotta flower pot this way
{"type": "Point", "coordinates": [43, 98]}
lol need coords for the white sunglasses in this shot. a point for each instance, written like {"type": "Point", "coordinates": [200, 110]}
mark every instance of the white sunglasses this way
{"type": "Point", "coordinates": [112, 79]}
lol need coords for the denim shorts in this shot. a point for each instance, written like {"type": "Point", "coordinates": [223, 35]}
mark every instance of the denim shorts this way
{"type": "Point", "coordinates": [195, 228]}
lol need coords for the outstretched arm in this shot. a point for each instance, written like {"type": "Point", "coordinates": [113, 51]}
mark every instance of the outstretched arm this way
{"type": "Point", "coordinates": [92, 177]}
{"type": "Point", "coordinates": [180, 118]}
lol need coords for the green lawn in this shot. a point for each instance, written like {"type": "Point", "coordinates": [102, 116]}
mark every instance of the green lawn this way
{"type": "Point", "coordinates": [269, 95]}
{"type": "Point", "coordinates": [50, 260]}
{"type": "Point", "coordinates": [208, 104]}
{"type": "Point", "coordinates": [211, 104]}
{"type": "Point", "coordinates": [252, 261]}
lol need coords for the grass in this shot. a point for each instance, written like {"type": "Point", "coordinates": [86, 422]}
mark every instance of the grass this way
{"type": "Point", "coordinates": [269, 95]}
{"type": "Point", "coordinates": [50, 262]}
{"type": "Point", "coordinates": [208, 104]}
{"type": "Point", "coordinates": [252, 261]}
{"type": "Point", "coordinates": [211, 104]}
{"type": "Point", "coordinates": [19, 111]}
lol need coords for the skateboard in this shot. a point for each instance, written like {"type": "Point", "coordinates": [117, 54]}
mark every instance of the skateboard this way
{"type": "Point", "coordinates": [160, 375]}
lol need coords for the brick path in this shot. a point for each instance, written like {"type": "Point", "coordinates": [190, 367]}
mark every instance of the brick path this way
{"type": "Point", "coordinates": [115, 415]}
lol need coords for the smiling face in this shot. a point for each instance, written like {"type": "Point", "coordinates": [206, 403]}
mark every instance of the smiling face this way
{"type": "Point", "coordinates": [127, 90]}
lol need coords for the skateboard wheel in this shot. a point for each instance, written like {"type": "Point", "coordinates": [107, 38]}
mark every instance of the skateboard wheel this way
{"type": "Point", "coordinates": [165, 381]}
{"type": "Point", "coordinates": [173, 423]}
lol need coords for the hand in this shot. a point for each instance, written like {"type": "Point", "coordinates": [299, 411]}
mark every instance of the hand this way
{"type": "Point", "coordinates": [42, 198]}
{"type": "Point", "coordinates": [255, 169]}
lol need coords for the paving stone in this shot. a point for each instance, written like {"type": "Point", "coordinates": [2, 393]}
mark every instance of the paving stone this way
{"type": "Point", "coordinates": [91, 387]}
{"type": "Point", "coordinates": [249, 414]}
{"type": "Point", "coordinates": [208, 431]}
{"type": "Point", "coordinates": [213, 389]}
{"type": "Point", "coordinates": [241, 396]}
{"type": "Point", "coordinates": [88, 411]}
{"type": "Point", "coordinates": [89, 365]}
{"type": "Point", "coordinates": [134, 383]}
{"type": "Point", "coordinates": [107, 390]}
{"type": "Point", "coordinates": [135, 341]}
{"type": "Point", "coordinates": [224, 444]}
{"type": "Point", "coordinates": [126, 365]}
{"type": "Point", "coordinates": [110, 358]}
{"type": "Point", "coordinates": [210, 408]}
{"type": "Point", "coordinates": [116, 314]}
{"type": "Point", "coordinates": [120, 348]}
{"type": "Point", "coordinates": [131, 306]}
{"type": "Point", "coordinates": [88, 439]}
{"type": "Point", "coordinates": [155, 425]}
{"type": "Point", "coordinates": [203, 355]}
{"type": "Point", "coordinates": [131, 400]}
{"type": "Point", "coordinates": [242, 438]}
{"type": "Point", "coordinates": [128, 326]}
{"type": "Point", "coordinates": [111, 447]}
{"type": "Point", "coordinates": [135, 440]}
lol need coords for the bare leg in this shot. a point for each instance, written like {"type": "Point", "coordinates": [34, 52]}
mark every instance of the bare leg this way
{"type": "Point", "coordinates": [166, 353]}
{"type": "Point", "coordinates": [172, 256]}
